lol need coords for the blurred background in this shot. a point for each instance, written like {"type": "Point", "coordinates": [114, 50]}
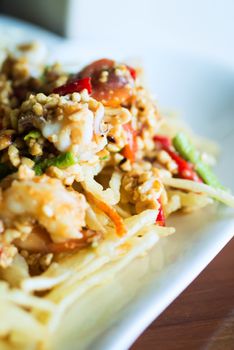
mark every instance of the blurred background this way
{"type": "Point", "coordinates": [201, 26]}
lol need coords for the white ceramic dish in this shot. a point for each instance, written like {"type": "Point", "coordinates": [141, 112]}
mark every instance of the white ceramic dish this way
{"type": "Point", "coordinates": [111, 317]}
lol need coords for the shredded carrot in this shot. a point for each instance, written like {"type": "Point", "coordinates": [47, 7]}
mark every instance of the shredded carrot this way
{"type": "Point", "coordinates": [110, 212]}
{"type": "Point", "coordinates": [130, 149]}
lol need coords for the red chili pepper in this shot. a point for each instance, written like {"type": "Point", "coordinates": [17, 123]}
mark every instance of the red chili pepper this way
{"type": "Point", "coordinates": [185, 169]}
{"type": "Point", "coordinates": [130, 149]}
{"type": "Point", "coordinates": [74, 86]}
{"type": "Point", "coordinates": [163, 141]}
{"type": "Point", "coordinates": [132, 71]}
{"type": "Point", "coordinates": [161, 217]}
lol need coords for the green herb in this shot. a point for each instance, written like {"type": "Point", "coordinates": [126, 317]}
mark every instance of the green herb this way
{"type": "Point", "coordinates": [188, 151]}
{"type": "Point", "coordinates": [62, 161]}
{"type": "Point", "coordinates": [38, 169]}
{"type": "Point", "coordinates": [34, 134]}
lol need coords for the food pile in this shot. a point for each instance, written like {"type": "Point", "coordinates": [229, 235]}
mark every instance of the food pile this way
{"type": "Point", "coordinates": [86, 159]}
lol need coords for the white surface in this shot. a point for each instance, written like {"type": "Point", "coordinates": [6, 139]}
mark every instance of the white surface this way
{"type": "Point", "coordinates": [112, 316]}
{"type": "Point", "coordinates": [201, 26]}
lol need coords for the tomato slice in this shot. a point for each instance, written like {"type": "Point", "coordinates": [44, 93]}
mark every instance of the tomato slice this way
{"type": "Point", "coordinates": [112, 84]}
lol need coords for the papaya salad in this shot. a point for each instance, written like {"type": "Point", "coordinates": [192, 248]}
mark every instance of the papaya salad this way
{"type": "Point", "coordinates": [89, 173]}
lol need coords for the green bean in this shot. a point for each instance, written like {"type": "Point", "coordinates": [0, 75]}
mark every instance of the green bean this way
{"type": "Point", "coordinates": [188, 151]}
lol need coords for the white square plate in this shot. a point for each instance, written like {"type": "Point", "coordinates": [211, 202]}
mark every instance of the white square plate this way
{"type": "Point", "coordinates": [113, 315]}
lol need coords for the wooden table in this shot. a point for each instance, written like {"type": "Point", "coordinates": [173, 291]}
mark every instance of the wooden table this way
{"type": "Point", "coordinates": [202, 317]}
